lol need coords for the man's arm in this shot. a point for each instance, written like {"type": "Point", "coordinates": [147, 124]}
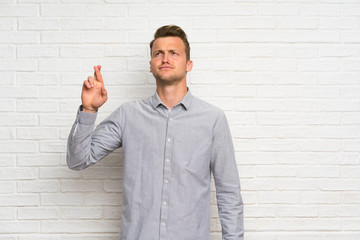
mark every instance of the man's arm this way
{"type": "Point", "coordinates": [227, 183]}
{"type": "Point", "coordinates": [86, 147]}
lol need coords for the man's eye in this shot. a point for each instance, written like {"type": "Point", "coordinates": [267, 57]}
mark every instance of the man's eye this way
{"type": "Point", "coordinates": [158, 54]}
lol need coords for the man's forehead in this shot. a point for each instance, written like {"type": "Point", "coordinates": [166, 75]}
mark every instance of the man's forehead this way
{"type": "Point", "coordinates": [174, 43]}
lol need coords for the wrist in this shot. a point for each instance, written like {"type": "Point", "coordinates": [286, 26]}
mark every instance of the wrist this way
{"type": "Point", "coordinates": [89, 110]}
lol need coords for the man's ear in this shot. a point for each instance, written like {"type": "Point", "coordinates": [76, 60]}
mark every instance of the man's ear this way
{"type": "Point", "coordinates": [150, 65]}
{"type": "Point", "coordinates": [189, 65]}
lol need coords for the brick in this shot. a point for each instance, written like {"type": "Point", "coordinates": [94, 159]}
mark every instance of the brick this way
{"type": "Point", "coordinates": [20, 37]}
{"type": "Point", "coordinates": [19, 10]}
{"type": "Point", "coordinates": [276, 171]}
{"type": "Point", "coordinates": [297, 211]}
{"type": "Point", "coordinates": [332, 10]}
{"type": "Point", "coordinates": [82, 24]}
{"type": "Point", "coordinates": [340, 51]}
{"type": "Point", "coordinates": [7, 160]}
{"type": "Point", "coordinates": [19, 227]}
{"type": "Point", "coordinates": [6, 214]}
{"type": "Point", "coordinates": [39, 24]}
{"type": "Point", "coordinates": [339, 105]}
{"type": "Point", "coordinates": [103, 199]}
{"type": "Point", "coordinates": [289, 184]}
{"type": "Point", "coordinates": [19, 147]}
{"type": "Point", "coordinates": [52, 226]}
{"type": "Point", "coordinates": [81, 212]}
{"type": "Point", "coordinates": [297, 23]}
{"type": "Point", "coordinates": [36, 133]}
{"type": "Point", "coordinates": [112, 213]}
{"type": "Point", "coordinates": [279, 197]}
{"type": "Point", "coordinates": [7, 134]}
{"type": "Point", "coordinates": [254, 132]}
{"type": "Point", "coordinates": [238, 9]}
{"type": "Point", "coordinates": [259, 184]}
{"type": "Point", "coordinates": [351, 10]}
{"type": "Point", "coordinates": [315, 197]}
{"type": "Point", "coordinates": [7, 187]}
{"type": "Point", "coordinates": [56, 119]}
{"type": "Point", "coordinates": [275, 65]}
{"type": "Point", "coordinates": [338, 23]}
{"type": "Point", "coordinates": [146, 10]}
{"type": "Point", "coordinates": [113, 186]}
{"type": "Point", "coordinates": [37, 106]}
{"type": "Point", "coordinates": [300, 224]}
{"type": "Point", "coordinates": [339, 78]}
{"type": "Point", "coordinates": [125, 23]}
{"type": "Point", "coordinates": [18, 65]}
{"type": "Point", "coordinates": [7, 24]}
{"type": "Point", "coordinates": [106, 10]}
{"type": "Point", "coordinates": [7, 51]}
{"type": "Point", "coordinates": [34, 79]}
{"type": "Point", "coordinates": [193, 10]}
{"type": "Point", "coordinates": [38, 186]}
{"type": "Point", "coordinates": [37, 160]}
{"type": "Point", "coordinates": [40, 213]}
{"type": "Point", "coordinates": [56, 172]}
{"type": "Point", "coordinates": [30, 51]}
{"type": "Point", "coordinates": [285, 9]}
{"type": "Point", "coordinates": [62, 10]}
{"type": "Point", "coordinates": [277, 92]}
{"type": "Point", "coordinates": [81, 52]}
{"type": "Point", "coordinates": [62, 37]}
{"type": "Point", "coordinates": [104, 226]}
{"type": "Point", "coordinates": [257, 22]}
{"type": "Point", "coordinates": [81, 185]}
{"type": "Point", "coordinates": [14, 200]}
{"type": "Point", "coordinates": [350, 36]}
{"type": "Point", "coordinates": [61, 199]}
{"type": "Point", "coordinates": [319, 92]}
{"type": "Point", "coordinates": [214, 23]}
{"type": "Point", "coordinates": [302, 51]}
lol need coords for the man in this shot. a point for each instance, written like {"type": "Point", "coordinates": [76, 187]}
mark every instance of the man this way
{"type": "Point", "coordinates": [172, 143]}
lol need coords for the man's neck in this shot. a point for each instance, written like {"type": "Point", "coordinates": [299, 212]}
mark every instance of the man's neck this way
{"type": "Point", "coordinates": [171, 95]}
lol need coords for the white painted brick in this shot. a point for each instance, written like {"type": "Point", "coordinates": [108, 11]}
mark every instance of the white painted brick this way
{"type": "Point", "coordinates": [290, 184]}
{"type": "Point", "coordinates": [81, 52]}
{"type": "Point", "coordinates": [339, 78]}
{"type": "Point", "coordinates": [107, 199]}
{"type": "Point", "coordinates": [339, 105]}
{"type": "Point", "coordinates": [254, 105]}
{"type": "Point", "coordinates": [297, 23]}
{"type": "Point", "coordinates": [7, 160]}
{"type": "Point", "coordinates": [254, 132]}
{"type": "Point", "coordinates": [92, 236]}
{"type": "Point", "coordinates": [302, 51]}
{"type": "Point", "coordinates": [332, 10]}
{"type": "Point", "coordinates": [214, 23]}
{"type": "Point", "coordinates": [268, 9]}
{"type": "Point", "coordinates": [17, 65]}
{"type": "Point", "coordinates": [52, 65]}
{"type": "Point", "coordinates": [7, 133]}
{"type": "Point", "coordinates": [33, 213]}
{"type": "Point", "coordinates": [62, 226]}
{"type": "Point", "coordinates": [276, 171]}
{"type": "Point", "coordinates": [337, 235]}
{"type": "Point", "coordinates": [61, 199]}
{"type": "Point", "coordinates": [63, 37]}
{"type": "Point", "coordinates": [260, 211]}
{"type": "Point", "coordinates": [37, 106]}
{"type": "Point", "coordinates": [55, 120]}
{"type": "Point", "coordinates": [112, 212]}
{"type": "Point", "coordinates": [112, 186]}
{"type": "Point", "coordinates": [81, 212]}
{"type": "Point", "coordinates": [7, 24]}
{"type": "Point", "coordinates": [36, 79]}
{"type": "Point", "coordinates": [238, 9]}
{"type": "Point", "coordinates": [37, 160]}
{"type": "Point", "coordinates": [318, 65]}
{"type": "Point", "coordinates": [316, 197]}
{"type": "Point", "coordinates": [38, 186]}
{"type": "Point", "coordinates": [147, 10]}
{"type": "Point", "coordinates": [350, 36]}
{"type": "Point", "coordinates": [19, 227]}
{"type": "Point", "coordinates": [297, 211]}
{"type": "Point", "coordinates": [339, 211]}
{"type": "Point", "coordinates": [19, 10]}
{"type": "Point", "coordinates": [257, 22]}
{"type": "Point", "coordinates": [13, 200]}
{"type": "Point", "coordinates": [125, 23]}
{"type": "Point", "coordinates": [259, 184]}
{"type": "Point", "coordinates": [62, 10]}
{"type": "Point", "coordinates": [56, 172]}
{"type": "Point", "coordinates": [7, 187]}
{"type": "Point", "coordinates": [288, 197]}
{"type": "Point", "coordinates": [106, 10]}
{"type": "Point", "coordinates": [30, 51]}
{"type": "Point", "coordinates": [93, 23]}
{"type": "Point", "coordinates": [300, 224]}
{"type": "Point", "coordinates": [6, 214]}
{"type": "Point", "coordinates": [211, 78]}
{"type": "Point", "coordinates": [319, 92]}
{"type": "Point", "coordinates": [254, 78]}
{"type": "Point", "coordinates": [19, 37]}
{"type": "Point", "coordinates": [351, 10]}
{"type": "Point", "coordinates": [40, 24]}
{"type": "Point", "coordinates": [338, 23]}
{"type": "Point", "coordinates": [19, 147]}
{"type": "Point", "coordinates": [82, 185]}
{"type": "Point", "coordinates": [102, 173]}
{"type": "Point", "coordinates": [96, 226]}
{"type": "Point", "coordinates": [275, 65]}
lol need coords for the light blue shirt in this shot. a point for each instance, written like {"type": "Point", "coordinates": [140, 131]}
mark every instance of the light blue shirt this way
{"type": "Point", "coordinates": [168, 160]}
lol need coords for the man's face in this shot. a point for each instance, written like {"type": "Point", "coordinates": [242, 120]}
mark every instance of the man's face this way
{"type": "Point", "coordinates": [168, 60]}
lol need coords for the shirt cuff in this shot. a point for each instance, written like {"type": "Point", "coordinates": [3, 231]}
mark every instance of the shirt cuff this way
{"type": "Point", "coordinates": [86, 118]}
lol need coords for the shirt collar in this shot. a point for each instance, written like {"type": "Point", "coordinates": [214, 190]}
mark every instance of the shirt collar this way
{"type": "Point", "coordinates": [185, 101]}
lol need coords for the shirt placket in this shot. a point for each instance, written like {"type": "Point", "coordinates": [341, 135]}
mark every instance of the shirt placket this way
{"type": "Point", "coordinates": [169, 138]}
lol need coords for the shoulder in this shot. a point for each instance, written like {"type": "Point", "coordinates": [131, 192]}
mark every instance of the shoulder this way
{"type": "Point", "coordinates": [207, 108]}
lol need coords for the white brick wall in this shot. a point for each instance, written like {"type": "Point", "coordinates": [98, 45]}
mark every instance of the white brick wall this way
{"type": "Point", "coordinates": [286, 72]}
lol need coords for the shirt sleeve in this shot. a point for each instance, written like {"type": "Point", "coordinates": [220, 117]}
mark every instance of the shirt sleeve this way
{"type": "Point", "coordinates": [227, 183]}
{"type": "Point", "coordinates": [87, 146]}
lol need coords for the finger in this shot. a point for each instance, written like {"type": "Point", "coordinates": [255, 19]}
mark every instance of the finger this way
{"type": "Point", "coordinates": [97, 74]}
{"type": "Point", "coordinates": [103, 91]}
{"type": "Point", "coordinates": [87, 84]}
{"type": "Point", "coordinates": [91, 81]}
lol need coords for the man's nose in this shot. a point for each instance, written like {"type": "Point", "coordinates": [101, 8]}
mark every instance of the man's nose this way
{"type": "Point", "coordinates": [165, 58]}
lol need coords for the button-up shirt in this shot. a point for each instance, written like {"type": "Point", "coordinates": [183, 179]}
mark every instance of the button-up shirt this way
{"type": "Point", "coordinates": [168, 160]}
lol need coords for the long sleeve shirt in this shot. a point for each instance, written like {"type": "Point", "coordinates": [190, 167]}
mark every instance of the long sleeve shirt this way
{"type": "Point", "coordinates": [168, 160]}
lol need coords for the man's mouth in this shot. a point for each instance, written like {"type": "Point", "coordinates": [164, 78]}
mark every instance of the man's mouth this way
{"type": "Point", "coordinates": [165, 67]}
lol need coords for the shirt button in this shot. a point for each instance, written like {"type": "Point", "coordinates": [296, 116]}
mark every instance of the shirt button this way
{"type": "Point", "coordinates": [164, 202]}
{"type": "Point", "coordinates": [169, 139]}
{"type": "Point", "coordinates": [167, 160]}
{"type": "Point", "coordinates": [166, 181]}
{"type": "Point", "coordinates": [163, 223]}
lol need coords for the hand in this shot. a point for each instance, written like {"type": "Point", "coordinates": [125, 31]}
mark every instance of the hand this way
{"type": "Point", "coordinates": [93, 93]}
